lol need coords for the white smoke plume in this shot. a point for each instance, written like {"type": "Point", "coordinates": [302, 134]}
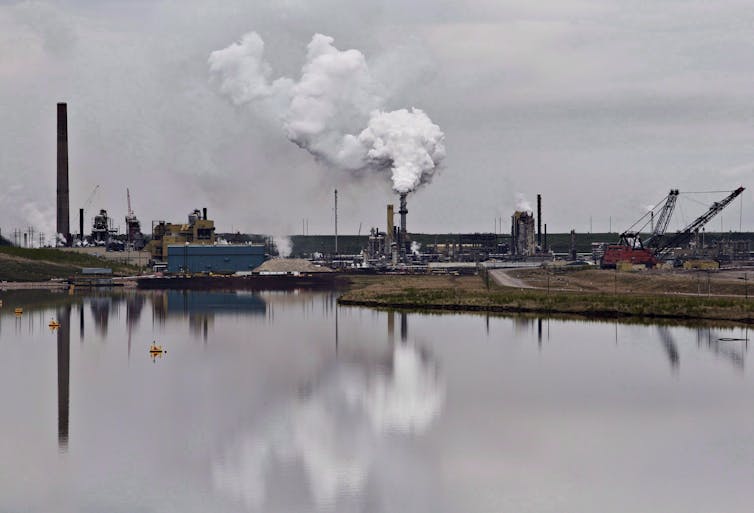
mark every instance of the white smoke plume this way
{"type": "Point", "coordinates": [522, 204]}
{"type": "Point", "coordinates": [334, 111]}
{"type": "Point", "coordinates": [284, 245]}
{"type": "Point", "coordinates": [415, 248]}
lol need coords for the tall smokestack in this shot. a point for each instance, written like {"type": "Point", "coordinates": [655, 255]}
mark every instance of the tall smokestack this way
{"type": "Point", "coordinates": [539, 220]}
{"type": "Point", "coordinates": [63, 221]}
{"type": "Point", "coordinates": [404, 234]}
{"type": "Point", "coordinates": [81, 224]}
{"type": "Point", "coordinates": [390, 228]}
{"type": "Point", "coordinates": [204, 213]}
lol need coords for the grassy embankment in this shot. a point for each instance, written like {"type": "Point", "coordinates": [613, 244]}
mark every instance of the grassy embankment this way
{"type": "Point", "coordinates": [473, 293]}
{"type": "Point", "coordinates": [24, 264]}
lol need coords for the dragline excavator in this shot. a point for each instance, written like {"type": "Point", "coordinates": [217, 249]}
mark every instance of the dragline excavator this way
{"type": "Point", "coordinates": [631, 248]}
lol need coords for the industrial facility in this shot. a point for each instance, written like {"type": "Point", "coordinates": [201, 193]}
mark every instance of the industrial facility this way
{"type": "Point", "coordinates": [198, 230]}
{"type": "Point", "coordinates": [194, 247]}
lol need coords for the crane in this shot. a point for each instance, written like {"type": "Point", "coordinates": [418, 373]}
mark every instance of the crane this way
{"type": "Point", "coordinates": [85, 206]}
{"type": "Point", "coordinates": [664, 219]}
{"type": "Point", "coordinates": [632, 249]}
{"type": "Point", "coordinates": [684, 235]}
{"type": "Point", "coordinates": [88, 201]}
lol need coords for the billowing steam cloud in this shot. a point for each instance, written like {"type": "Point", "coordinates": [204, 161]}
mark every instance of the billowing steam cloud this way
{"type": "Point", "coordinates": [522, 204]}
{"type": "Point", "coordinates": [334, 111]}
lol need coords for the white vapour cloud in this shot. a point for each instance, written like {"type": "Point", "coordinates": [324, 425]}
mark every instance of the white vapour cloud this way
{"type": "Point", "coordinates": [337, 430]}
{"type": "Point", "coordinates": [522, 204]}
{"type": "Point", "coordinates": [241, 72]}
{"type": "Point", "coordinates": [284, 245]}
{"type": "Point", "coordinates": [334, 111]}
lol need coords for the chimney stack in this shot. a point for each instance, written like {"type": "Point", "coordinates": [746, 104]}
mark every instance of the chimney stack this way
{"type": "Point", "coordinates": [81, 224]}
{"type": "Point", "coordinates": [204, 213]}
{"type": "Point", "coordinates": [539, 220]}
{"type": "Point", "coordinates": [63, 213]}
{"type": "Point", "coordinates": [390, 228]}
{"type": "Point", "coordinates": [404, 234]}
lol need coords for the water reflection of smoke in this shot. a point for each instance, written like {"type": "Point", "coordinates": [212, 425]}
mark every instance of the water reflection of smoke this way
{"type": "Point", "coordinates": [334, 429]}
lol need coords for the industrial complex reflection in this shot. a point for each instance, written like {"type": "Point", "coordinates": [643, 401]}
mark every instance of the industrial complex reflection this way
{"type": "Point", "coordinates": [390, 387]}
{"type": "Point", "coordinates": [358, 406]}
{"type": "Point", "coordinates": [200, 307]}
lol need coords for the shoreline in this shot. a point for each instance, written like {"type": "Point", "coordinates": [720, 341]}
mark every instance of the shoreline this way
{"type": "Point", "coordinates": [33, 285]}
{"type": "Point", "coordinates": [596, 314]}
{"type": "Point", "coordinates": [471, 294]}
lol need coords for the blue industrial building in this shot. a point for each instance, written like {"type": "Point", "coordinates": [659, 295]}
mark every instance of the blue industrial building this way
{"type": "Point", "coordinates": [198, 258]}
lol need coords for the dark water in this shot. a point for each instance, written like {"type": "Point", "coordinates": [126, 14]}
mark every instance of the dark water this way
{"type": "Point", "coordinates": [283, 402]}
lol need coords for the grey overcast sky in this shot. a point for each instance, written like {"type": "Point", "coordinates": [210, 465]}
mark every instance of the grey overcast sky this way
{"type": "Point", "coordinates": [600, 106]}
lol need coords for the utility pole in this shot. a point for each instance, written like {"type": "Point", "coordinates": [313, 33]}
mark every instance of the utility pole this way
{"type": "Point", "coordinates": [336, 221]}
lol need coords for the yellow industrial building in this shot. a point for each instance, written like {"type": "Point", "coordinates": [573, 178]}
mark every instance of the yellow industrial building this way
{"type": "Point", "coordinates": [198, 230]}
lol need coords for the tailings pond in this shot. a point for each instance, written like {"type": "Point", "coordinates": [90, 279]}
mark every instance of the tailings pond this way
{"type": "Point", "coordinates": [285, 402]}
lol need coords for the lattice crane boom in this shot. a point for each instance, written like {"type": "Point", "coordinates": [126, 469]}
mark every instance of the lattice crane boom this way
{"type": "Point", "coordinates": [683, 235]}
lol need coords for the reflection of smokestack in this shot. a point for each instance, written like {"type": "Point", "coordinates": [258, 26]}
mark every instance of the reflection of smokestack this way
{"type": "Point", "coordinates": [539, 220]}
{"type": "Point", "coordinates": [63, 221]}
{"type": "Point", "coordinates": [64, 361]}
{"type": "Point", "coordinates": [391, 326]}
{"type": "Point", "coordinates": [81, 320]}
{"type": "Point", "coordinates": [404, 327]}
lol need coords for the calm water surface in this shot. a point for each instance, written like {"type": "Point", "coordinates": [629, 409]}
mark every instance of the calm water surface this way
{"type": "Point", "coordinates": [285, 402]}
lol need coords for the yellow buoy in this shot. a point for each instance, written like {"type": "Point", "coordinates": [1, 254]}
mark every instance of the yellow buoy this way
{"type": "Point", "coordinates": [54, 324]}
{"type": "Point", "coordinates": [19, 310]}
{"type": "Point", "coordinates": [155, 349]}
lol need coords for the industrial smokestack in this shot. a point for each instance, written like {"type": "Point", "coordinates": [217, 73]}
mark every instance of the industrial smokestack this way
{"type": "Point", "coordinates": [574, 255]}
{"type": "Point", "coordinates": [404, 234]}
{"type": "Point", "coordinates": [204, 213]}
{"type": "Point", "coordinates": [390, 227]}
{"type": "Point", "coordinates": [539, 220]}
{"type": "Point", "coordinates": [63, 213]}
{"type": "Point", "coordinates": [81, 224]}
{"type": "Point", "coordinates": [336, 221]}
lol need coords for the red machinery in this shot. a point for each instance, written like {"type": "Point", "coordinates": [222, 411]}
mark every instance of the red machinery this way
{"type": "Point", "coordinates": [632, 249]}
